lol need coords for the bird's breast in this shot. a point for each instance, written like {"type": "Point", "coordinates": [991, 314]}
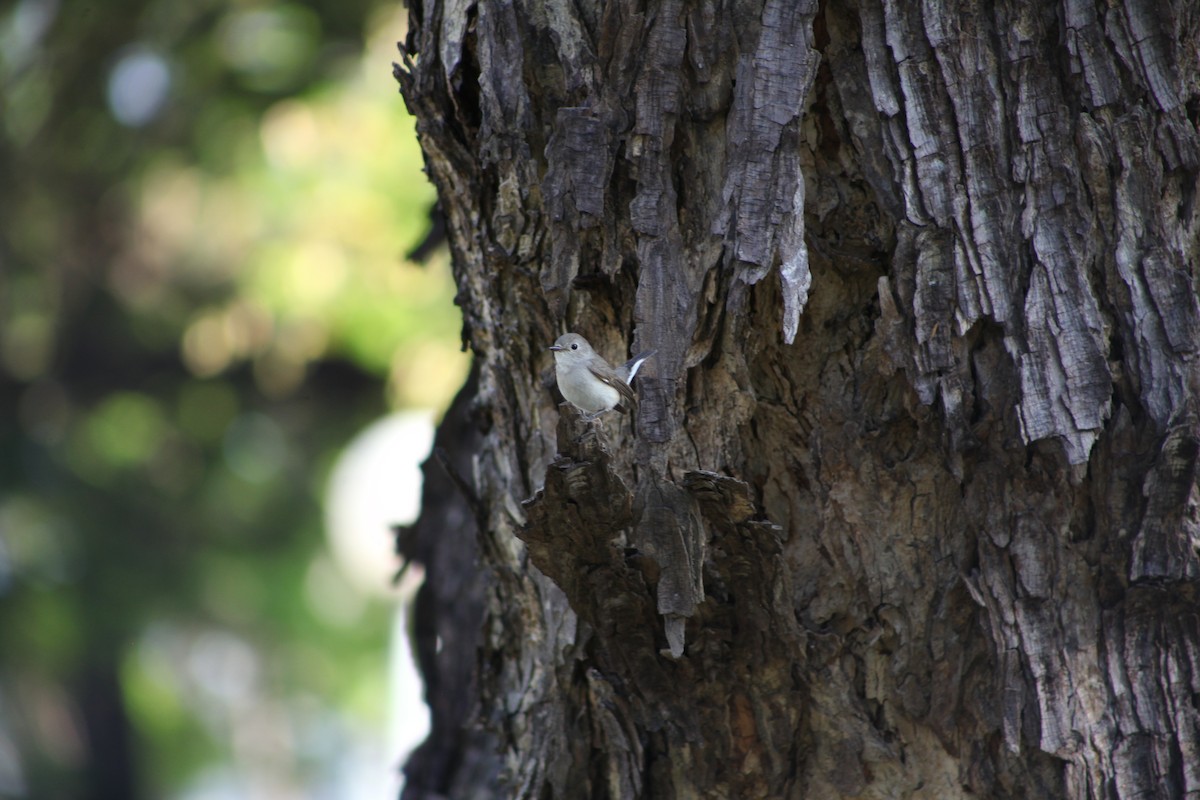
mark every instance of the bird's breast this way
{"type": "Point", "coordinates": [583, 390]}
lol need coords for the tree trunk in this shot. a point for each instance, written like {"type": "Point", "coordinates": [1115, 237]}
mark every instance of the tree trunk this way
{"type": "Point", "coordinates": [907, 508]}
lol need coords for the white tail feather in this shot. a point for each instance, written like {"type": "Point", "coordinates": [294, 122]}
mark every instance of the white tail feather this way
{"type": "Point", "coordinates": [634, 364]}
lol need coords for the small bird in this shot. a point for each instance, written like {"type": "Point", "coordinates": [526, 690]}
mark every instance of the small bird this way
{"type": "Point", "coordinates": [589, 382]}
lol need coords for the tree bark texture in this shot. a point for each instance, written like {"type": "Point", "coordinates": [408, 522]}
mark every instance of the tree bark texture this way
{"type": "Point", "coordinates": [908, 505]}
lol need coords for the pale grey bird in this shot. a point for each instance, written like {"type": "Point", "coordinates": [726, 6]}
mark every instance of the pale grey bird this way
{"type": "Point", "coordinates": [589, 382]}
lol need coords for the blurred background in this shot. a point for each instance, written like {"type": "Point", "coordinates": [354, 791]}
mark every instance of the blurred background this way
{"type": "Point", "coordinates": [217, 374]}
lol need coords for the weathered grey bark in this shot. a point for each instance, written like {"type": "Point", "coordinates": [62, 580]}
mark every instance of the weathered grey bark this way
{"type": "Point", "coordinates": [910, 510]}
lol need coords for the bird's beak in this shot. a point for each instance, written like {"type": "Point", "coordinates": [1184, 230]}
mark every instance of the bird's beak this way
{"type": "Point", "coordinates": [556, 347]}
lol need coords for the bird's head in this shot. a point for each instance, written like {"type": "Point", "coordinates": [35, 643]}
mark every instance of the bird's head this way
{"type": "Point", "coordinates": [571, 347]}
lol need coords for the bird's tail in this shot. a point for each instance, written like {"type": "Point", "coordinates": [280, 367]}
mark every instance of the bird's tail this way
{"type": "Point", "coordinates": [634, 364]}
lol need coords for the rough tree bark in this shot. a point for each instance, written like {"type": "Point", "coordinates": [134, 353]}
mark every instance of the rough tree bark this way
{"type": "Point", "coordinates": [908, 508]}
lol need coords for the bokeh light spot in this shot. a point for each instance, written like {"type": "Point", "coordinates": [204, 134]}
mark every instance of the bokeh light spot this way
{"type": "Point", "coordinates": [26, 345]}
{"type": "Point", "coordinates": [270, 46]}
{"type": "Point", "coordinates": [126, 428]}
{"type": "Point", "coordinates": [24, 29]}
{"type": "Point", "coordinates": [34, 542]}
{"type": "Point", "coordinates": [216, 338]}
{"type": "Point", "coordinates": [290, 136]}
{"type": "Point", "coordinates": [255, 448]}
{"type": "Point", "coordinates": [138, 86]}
{"type": "Point", "coordinates": [223, 666]}
{"type": "Point", "coordinates": [206, 408]}
{"type": "Point", "coordinates": [205, 349]}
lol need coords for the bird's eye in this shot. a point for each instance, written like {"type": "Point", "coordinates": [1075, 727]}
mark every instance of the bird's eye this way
{"type": "Point", "coordinates": [574, 347]}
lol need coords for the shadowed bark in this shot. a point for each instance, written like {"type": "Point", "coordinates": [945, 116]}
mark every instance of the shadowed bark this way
{"type": "Point", "coordinates": [908, 506]}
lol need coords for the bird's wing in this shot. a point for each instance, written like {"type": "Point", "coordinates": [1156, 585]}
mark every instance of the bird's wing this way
{"type": "Point", "coordinates": [628, 400]}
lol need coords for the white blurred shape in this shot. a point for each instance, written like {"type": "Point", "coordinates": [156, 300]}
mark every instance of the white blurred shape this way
{"type": "Point", "coordinates": [223, 666]}
{"type": "Point", "coordinates": [27, 24]}
{"type": "Point", "coordinates": [376, 484]}
{"type": "Point", "coordinates": [409, 724]}
{"type": "Point", "coordinates": [138, 86]}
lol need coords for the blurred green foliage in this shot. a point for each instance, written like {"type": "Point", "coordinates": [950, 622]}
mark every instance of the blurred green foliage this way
{"type": "Point", "coordinates": [203, 211]}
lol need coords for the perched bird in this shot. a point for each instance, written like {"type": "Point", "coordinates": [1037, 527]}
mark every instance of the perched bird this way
{"type": "Point", "coordinates": [589, 382]}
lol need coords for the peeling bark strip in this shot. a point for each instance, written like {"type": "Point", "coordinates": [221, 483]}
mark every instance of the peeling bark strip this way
{"type": "Point", "coordinates": [763, 215]}
{"type": "Point", "coordinates": [1167, 547]}
{"type": "Point", "coordinates": [946, 544]}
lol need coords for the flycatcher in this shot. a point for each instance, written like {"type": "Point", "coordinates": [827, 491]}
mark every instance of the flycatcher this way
{"type": "Point", "coordinates": [589, 382]}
